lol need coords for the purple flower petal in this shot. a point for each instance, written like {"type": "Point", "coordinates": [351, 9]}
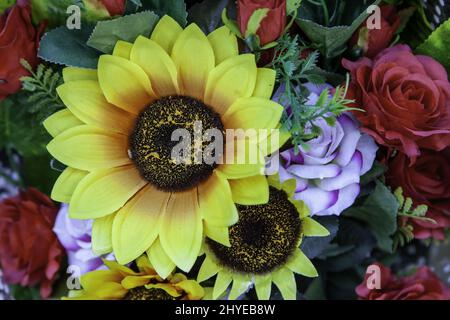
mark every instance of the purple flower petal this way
{"type": "Point", "coordinates": [349, 142]}
{"type": "Point", "coordinates": [315, 171]}
{"type": "Point", "coordinates": [301, 184]}
{"type": "Point", "coordinates": [368, 149]}
{"type": "Point", "coordinates": [349, 175]}
{"type": "Point", "coordinates": [317, 199]}
{"type": "Point", "coordinates": [346, 197]}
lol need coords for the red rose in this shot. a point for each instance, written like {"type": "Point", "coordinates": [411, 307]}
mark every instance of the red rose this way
{"type": "Point", "coordinates": [426, 182]}
{"type": "Point", "coordinates": [406, 99]}
{"type": "Point", "coordinates": [18, 40]}
{"type": "Point", "coordinates": [30, 252]}
{"type": "Point", "coordinates": [375, 40]}
{"type": "Point", "coordinates": [114, 7]}
{"type": "Point", "coordinates": [423, 285]}
{"type": "Point", "coordinates": [272, 26]}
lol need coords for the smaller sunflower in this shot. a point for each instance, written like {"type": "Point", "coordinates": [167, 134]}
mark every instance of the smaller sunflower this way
{"type": "Point", "coordinates": [122, 283]}
{"type": "Point", "coordinates": [264, 247]}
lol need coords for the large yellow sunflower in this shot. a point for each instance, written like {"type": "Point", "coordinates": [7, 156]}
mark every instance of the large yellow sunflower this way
{"type": "Point", "coordinates": [264, 247]}
{"type": "Point", "coordinates": [115, 138]}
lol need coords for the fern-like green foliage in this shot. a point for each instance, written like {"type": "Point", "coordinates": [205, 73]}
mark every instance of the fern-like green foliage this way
{"type": "Point", "coordinates": [406, 212]}
{"type": "Point", "coordinates": [293, 72]}
{"type": "Point", "coordinates": [41, 86]}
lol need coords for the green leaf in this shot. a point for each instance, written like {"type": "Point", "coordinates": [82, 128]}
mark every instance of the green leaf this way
{"type": "Point", "coordinates": [5, 4]}
{"type": "Point", "coordinates": [232, 25]}
{"type": "Point", "coordinates": [330, 40]}
{"type": "Point", "coordinates": [314, 246]}
{"type": "Point", "coordinates": [127, 28]}
{"type": "Point", "coordinates": [174, 8]}
{"type": "Point", "coordinates": [69, 48]}
{"type": "Point", "coordinates": [379, 212]}
{"type": "Point", "coordinates": [255, 21]}
{"type": "Point", "coordinates": [376, 171]}
{"type": "Point", "coordinates": [292, 6]}
{"type": "Point", "coordinates": [207, 14]}
{"type": "Point", "coordinates": [438, 45]}
{"type": "Point", "coordinates": [24, 293]}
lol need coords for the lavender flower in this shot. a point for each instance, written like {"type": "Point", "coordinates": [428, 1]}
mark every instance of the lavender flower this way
{"type": "Point", "coordinates": [328, 169]}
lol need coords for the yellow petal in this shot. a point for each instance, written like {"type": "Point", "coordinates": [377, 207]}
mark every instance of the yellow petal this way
{"type": "Point", "coordinates": [192, 288]}
{"type": "Point", "coordinates": [265, 83]}
{"type": "Point", "coordinates": [66, 183]}
{"type": "Point", "coordinates": [218, 234]}
{"type": "Point", "coordinates": [61, 121]}
{"type": "Point", "coordinates": [181, 229]}
{"type": "Point", "coordinates": [216, 202]}
{"type": "Point", "coordinates": [123, 270]}
{"type": "Point", "coordinates": [102, 234]}
{"type": "Point", "coordinates": [242, 114]}
{"type": "Point", "coordinates": [124, 83]}
{"type": "Point", "coordinates": [234, 78]}
{"type": "Point", "coordinates": [240, 285]}
{"type": "Point", "coordinates": [312, 228]}
{"type": "Point", "coordinates": [223, 280]}
{"type": "Point", "coordinates": [170, 289]}
{"type": "Point", "coordinates": [224, 44]}
{"type": "Point", "coordinates": [136, 225]}
{"type": "Point", "coordinates": [145, 266]}
{"type": "Point", "coordinates": [166, 32]}
{"type": "Point", "coordinates": [240, 171]}
{"type": "Point", "coordinates": [122, 49]}
{"type": "Point", "coordinates": [160, 260]}
{"type": "Point", "coordinates": [94, 279]}
{"type": "Point", "coordinates": [130, 282]}
{"type": "Point", "coordinates": [86, 101]}
{"type": "Point", "coordinates": [89, 148]}
{"type": "Point", "coordinates": [158, 65]}
{"type": "Point", "coordinates": [300, 264]}
{"type": "Point", "coordinates": [105, 191]}
{"type": "Point", "coordinates": [194, 59]}
{"type": "Point", "coordinates": [76, 74]}
{"type": "Point", "coordinates": [263, 286]}
{"type": "Point", "coordinates": [250, 191]}
{"type": "Point", "coordinates": [208, 269]}
{"type": "Point", "coordinates": [111, 291]}
{"type": "Point", "coordinates": [285, 281]}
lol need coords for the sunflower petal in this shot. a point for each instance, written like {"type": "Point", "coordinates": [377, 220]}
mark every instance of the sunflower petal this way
{"type": "Point", "coordinates": [223, 280]}
{"type": "Point", "coordinates": [194, 59]}
{"type": "Point", "coordinates": [312, 228]}
{"type": "Point", "coordinates": [224, 44]}
{"type": "Point", "coordinates": [166, 32]}
{"type": "Point", "coordinates": [136, 225]}
{"type": "Point", "coordinates": [265, 83]}
{"type": "Point", "coordinates": [218, 234]}
{"type": "Point", "coordinates": [207, 270]}
{"type": "Point", "coordinates": [234, 78]}
{"type": "Point", "coordinates": [122, 49]}
{"type": "Point", "coordinates": [160, 68]}
{"type": "Point", "coordinates": [241, 115]}
{"type": "Point", "coordinates": [240, 285]}
{"type": "Point", "coordinates": [87, 102]}
{"type": "Point", "coordinates": [181, 229]}
{"type": "Point", "coordinates": [76, 74]}
{"type": "Point", "coordinates": [89, 148]}
{"type": "Point", "coordinates": [130, 282]}
{"type": "Point", "coordinates": [285, 281]}
{"type": "Point", "coordinates": [92, 280]}
{"type": "Point", "coordinates": [66, 184]}
{"type": "Point", "coordinates": [105, 191]}
{"type": "Point", "coordinates": [250, 191]}
{"type": "Point", "coordinates": [102, 234]}
{"type": "Point", "coordinates": [61, 121]}
{"type": "Point", "coordinates": [160, 260]}
{"type": "Point", "coordinates": [263, 285]}
{"type": "Point", "coordinates": [192, 288]}
{"type": "Point", "coordinates": [124, 83]}
{"type": "Point", "coordinates": [302, 265]}
{"type": "Point", "coordinates": [216, 201]}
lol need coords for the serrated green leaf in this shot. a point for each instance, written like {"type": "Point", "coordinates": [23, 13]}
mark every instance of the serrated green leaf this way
{"type": "Point", "coordinates": [68, 47]}
{"type": "Point", "coordinates": [255, 21]}
{"type": "Point", "coordinates": [438, 45]}
{"type": "Point", "coordinates": [407, 205]}
{"type": "Point", "coordinates": [292, 6]}
{"type": "Point", "coordinates": [127, 28]}
{"type": "Point", "coordinates": [420, 210]}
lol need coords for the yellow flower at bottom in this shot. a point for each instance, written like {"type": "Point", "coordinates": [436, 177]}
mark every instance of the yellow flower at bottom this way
{"type": "Point", "coordinates": [115, 138]}
{"type": "Point", "coordinates": [264, 247]}
{"type": "Point", "coordinates": [122, 283]}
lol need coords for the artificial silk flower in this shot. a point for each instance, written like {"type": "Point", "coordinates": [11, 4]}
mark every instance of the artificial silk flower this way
{"type": "Point", "coordinates": [264, 247]}
{"type": "Point", "coordinates": [122, 283]}
{"type": "Point", "coordinates": [115, 138]}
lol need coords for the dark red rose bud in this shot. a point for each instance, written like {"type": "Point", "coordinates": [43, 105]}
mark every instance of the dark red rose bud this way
{"type": "Point", "coordinates": [272, 26]}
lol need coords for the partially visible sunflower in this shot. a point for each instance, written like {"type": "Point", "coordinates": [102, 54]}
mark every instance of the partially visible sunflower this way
{"type": "Point", "coordinates": [115, 138]}
{"type": "Point", "coordinates": [122, 283]}
{"type": "Point", "coordinates": [264, 247]}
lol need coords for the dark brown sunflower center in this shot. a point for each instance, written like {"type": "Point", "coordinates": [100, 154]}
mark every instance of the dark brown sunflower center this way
{"type": "Point", "coordinates": [142, 293]}
{"type": "Point", "coordinates": [170, 140]}
{"type": "Point", "coordinates": [264, 237]}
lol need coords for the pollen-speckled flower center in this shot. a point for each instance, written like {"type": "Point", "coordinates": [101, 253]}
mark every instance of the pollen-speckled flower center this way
{"type": "Point", "coordinates": [152, 142]}
{"type": "Point", "coordinates": [264, 238]}
{"type": "Point", "coordinates": [142, 293]}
